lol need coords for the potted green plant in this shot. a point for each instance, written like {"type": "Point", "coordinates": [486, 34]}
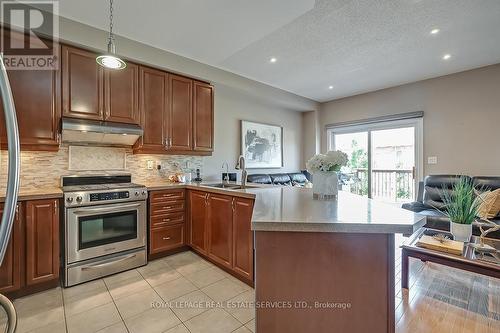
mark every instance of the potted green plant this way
{"type": "Point", "coordinates": [461, 207]}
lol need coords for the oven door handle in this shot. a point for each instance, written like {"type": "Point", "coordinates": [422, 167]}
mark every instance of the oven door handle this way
{"type": "Point", "coordinates": [104, 209]}
{"type": "Point", "coordinates": [110, 263]}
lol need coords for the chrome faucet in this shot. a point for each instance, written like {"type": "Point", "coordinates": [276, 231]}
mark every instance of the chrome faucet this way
{"type": "Point", "coordinates": [241, 166]}
{"type": "Point", "coordinates": [225, 179]}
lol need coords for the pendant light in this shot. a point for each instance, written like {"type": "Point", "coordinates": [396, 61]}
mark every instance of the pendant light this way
{"type": "Point", "coordinates": [110, 60]}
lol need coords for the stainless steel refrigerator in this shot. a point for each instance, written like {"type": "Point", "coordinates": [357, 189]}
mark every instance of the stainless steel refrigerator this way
{"type": "Point", "coordinates": [12, 183]}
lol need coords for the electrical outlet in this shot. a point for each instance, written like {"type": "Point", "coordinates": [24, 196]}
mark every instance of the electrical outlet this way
{"type": "Point", "coordinates": [189, 165]}
{"type": "Point", "coordinates": [150, 165]}
{"type": "Point", "coordinates": [432, 160]}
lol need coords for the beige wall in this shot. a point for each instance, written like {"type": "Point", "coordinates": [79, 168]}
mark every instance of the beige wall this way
{"type": "Point", "coordinates": [236, 98]}
{"type": "Point", "coordinates": [461, 121]}
{"type": "Point", "coordinates": [311, 143]}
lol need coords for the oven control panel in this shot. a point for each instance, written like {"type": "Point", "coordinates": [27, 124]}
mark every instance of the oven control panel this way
{"type": "Point", "coordinates": [89, 198]}
{"type": "Point", "coordinates": [109, 196]}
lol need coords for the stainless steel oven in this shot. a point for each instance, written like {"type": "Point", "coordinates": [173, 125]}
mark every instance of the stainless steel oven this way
{"type": "Point", "coordinates": [105, 226]}
{"type": "Point", "coordinates": [95, 231]}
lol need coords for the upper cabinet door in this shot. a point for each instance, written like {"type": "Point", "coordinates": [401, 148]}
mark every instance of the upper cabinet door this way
{"type": "Point", "coordinates": [153, 100]}
{"type": "Point", "coordinates": [36, 96]}
{"type": "Point", "coordinates": [121, 103]}
{"type": "Point", "coordinates": [203, 117]}
{"type": "Point", "coordinates": [82, 77]}
{"type": "Point", "coordinates": [180, 120]}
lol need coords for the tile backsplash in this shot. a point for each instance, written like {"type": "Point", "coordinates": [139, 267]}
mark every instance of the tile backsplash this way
{"type": "Point", "coordinates": [44, 169]}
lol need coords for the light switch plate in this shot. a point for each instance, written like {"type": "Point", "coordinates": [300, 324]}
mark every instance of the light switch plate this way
{"type": "Point", "coordinates": [150, 165]}
{"type": "Point", "coordinates": [432, 160]}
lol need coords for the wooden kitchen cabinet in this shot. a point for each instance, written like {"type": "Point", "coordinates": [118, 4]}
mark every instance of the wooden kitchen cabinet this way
{"type": "Point", "coordinates": [153, 106]}
{"type": "Point", "coordinates": [82, 84]}
{"type": "Point", "coordinates": [198, 220]}
{"type": "Point", "coordinates": [243, 237]}
{"type": "Point", "coordinates": [167, 238]}
{"type": "Point", "coordinates": [31, 263]}
{"type": "Point", "coordinates": [180, 125]}
{"type": "Point", "coordinates": [220, 228]}
{"type": "Point", "coordinates": [36, 95]}
{"type": "Point", "coordinates": [10, 270]}
{"type": "Point", "coordinates": [174, 116]}
{"type": "Point", "coordinates": [121, 94]}
{"type": "Point", "coordinates": [91, 92]}
{"type": "Point", "coordinates": [203, 117]}
{"type": "Point", "coordinates": [167, 222]}
{"type": "Point", "coordinates": [42, 241]}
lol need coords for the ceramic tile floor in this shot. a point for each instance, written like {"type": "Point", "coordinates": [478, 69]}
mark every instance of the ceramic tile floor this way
{"type": "Point", "coordinates": [184, 293]}
{"type": "Point", "coordinates": [178, 294]}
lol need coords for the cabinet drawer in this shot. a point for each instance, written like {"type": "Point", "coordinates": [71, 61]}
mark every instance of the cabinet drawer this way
{"type": "Point", "coordinates": [166, 238]}
{"type": "Point", "coordinates": [169, 195]}
{"type": "Point", "coordinates": [167, 207]}
{"type": "Point", "coordinates": [167, 219]}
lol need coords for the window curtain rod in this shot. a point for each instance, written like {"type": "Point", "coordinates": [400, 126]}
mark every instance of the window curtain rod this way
{"type": "Point", "coordinates": [394, 117]}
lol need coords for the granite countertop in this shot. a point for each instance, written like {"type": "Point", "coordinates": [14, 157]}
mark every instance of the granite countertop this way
{"type": "Point", "coordinates": [246, 193]}
{"type": "Point", "coordinates": [35, 194]}
{"type": "Point", "coordinates": [294, 209]}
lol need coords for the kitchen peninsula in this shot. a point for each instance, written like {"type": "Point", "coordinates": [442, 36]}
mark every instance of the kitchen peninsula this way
{"type": "Point", "coordinates": [325, 266]}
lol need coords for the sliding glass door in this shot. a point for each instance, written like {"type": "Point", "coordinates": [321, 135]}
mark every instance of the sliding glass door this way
{"type": "Point", "coordinates": [384, 159]}
{"type": "Point", "coordinates": [354, 177]}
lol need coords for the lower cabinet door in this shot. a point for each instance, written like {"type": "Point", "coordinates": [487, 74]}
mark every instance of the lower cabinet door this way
{"type": "Point", "coordinates": [42, 241]}
{"type": "Point", "coordinates": [10, 271]}
{"type": "Point", "coordinates": [220, 233]}
{"type": "Point", "coordinates": [197, 203]}
{"type": "Point", "coordinates": [243, 238]}
{"type": "Point", "coordinates": [166, 238]}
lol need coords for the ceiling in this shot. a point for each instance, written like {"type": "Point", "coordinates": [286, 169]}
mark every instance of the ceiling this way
{"type": "Point", "coordinates": [355, 46]}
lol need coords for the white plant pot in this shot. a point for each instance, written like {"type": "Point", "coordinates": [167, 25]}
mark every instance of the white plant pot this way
{"type": "Point", "coordinates": [461, 232]}
{"type": "Point", "coordinates": [325, 185]}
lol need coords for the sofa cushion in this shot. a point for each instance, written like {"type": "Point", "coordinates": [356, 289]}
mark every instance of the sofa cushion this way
{"type": "Point", "coordinates": [259, 178]}
{"type": "Point", "coordinates": [297, 178]}
{"type": "Point", "coordinates": [434, 187]}
{"type": "Point", "coordinates": [486, 183]}
{"type": "Point", "coordinates": [280, 179]}
{"type": "Point", "coordinates": [414, 206]}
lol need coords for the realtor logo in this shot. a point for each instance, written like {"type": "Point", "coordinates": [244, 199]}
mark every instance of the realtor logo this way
{"type": "Point", "coordinates": [30, 31]}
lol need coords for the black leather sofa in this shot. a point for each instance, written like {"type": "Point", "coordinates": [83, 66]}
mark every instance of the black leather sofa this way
{"type": "Point", "coordinates": [284, 179]}
{"type": "Point", "coordinates": [429, 201]}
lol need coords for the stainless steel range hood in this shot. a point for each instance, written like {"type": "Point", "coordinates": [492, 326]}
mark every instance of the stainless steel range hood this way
{"type": "Point", "coordinates": [99, 132]}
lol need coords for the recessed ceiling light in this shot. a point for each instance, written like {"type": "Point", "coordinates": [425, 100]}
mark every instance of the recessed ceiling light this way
{"type": "Point", "coordinates": [446, 56]}
{"type": "Point", "coordinates": [434, 31]}
{"type": "Point", "coordinates": [273, 60]}
{"type": "Point", "coordinates": [330, 87]}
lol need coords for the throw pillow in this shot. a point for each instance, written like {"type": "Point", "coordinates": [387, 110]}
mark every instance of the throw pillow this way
{"type": "Point", "coordinates": [489, 206]}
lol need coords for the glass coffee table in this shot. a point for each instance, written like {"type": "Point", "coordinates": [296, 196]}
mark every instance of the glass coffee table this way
{"type": "Point", "coordinates": [470, 260]}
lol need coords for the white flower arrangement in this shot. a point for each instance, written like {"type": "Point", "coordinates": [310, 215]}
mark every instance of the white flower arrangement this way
{"type": "Point", "coordinates": [329, 162]}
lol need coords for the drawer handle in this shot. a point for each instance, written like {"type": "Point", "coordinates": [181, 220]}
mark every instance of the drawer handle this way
{"type": "Point", "coordinates": [167, 207]}
{"type": "Point", "coordinates": [166, 220]}
{"type": "Point", "coordinates": [166, 238]}
{"type": "Point", "coordinates": [168, 195]}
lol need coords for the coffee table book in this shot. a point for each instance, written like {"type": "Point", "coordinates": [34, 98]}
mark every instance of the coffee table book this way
{"type": "Point", "coordinates": [448, 246]}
